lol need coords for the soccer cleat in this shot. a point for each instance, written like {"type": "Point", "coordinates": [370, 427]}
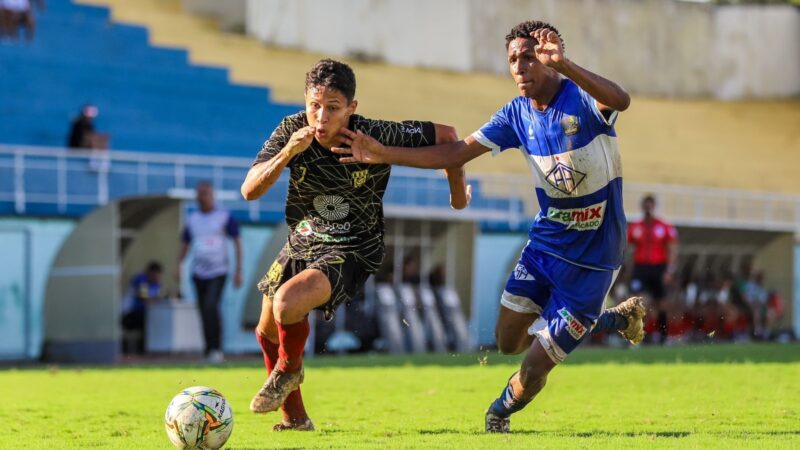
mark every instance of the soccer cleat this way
{"type": "Point", "coordinates": [633, 311]}
{"type": "Point", "coordinates": [497, 424]}
{"type": "Point", "coordinates": [273, 393]}
{"type": "Point", "coordinates": [305, 425]}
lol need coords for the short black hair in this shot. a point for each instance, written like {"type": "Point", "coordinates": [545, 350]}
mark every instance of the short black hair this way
{"type": "Point", "coordinates": [154, 267]}
{"type": "Point", "coordinates": [335, 75]}
{"type": "Point", "coordinates": [524, 30]}
{"type": "Point", "coordinates": [649, 198]}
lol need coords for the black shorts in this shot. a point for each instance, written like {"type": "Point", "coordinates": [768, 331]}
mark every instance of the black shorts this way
{"type": "Point", "coordinates": [346, 274]}
{"type": "Point", "coordinates": [649, 279]}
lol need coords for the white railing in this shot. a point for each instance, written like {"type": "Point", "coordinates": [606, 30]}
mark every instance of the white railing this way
{"type": "Point", "coordinates": [61, 180]}
{"type": "Point", "coordinates": [68, 178]}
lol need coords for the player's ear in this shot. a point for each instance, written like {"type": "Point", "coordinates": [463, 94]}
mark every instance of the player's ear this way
{"type": "Point", "coordinates": [351, 108]}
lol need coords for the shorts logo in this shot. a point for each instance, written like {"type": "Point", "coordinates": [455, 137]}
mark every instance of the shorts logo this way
{"type": "Point", "coordinates": [304, 228]}
{"type": "Point", "coordinates": [574, 327]}
{"type": "Point", "coordinates": [360, 177]}
{"type": "Point", "coordinates": [335, 260]}
{"type": "Point", "coordinates": [275, 272]}
{"type": "Point", "coordinates": [581, 219]}
{"type": "Point", "coordinates": [331, 207]}
{"type": "Point", "coordinates": [521, 273]}
{"type": "Point", "coordinates": [565, 178]}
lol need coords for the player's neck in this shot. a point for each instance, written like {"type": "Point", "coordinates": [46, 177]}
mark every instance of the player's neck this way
{"type": "Point", "coordinates": [542, 99]}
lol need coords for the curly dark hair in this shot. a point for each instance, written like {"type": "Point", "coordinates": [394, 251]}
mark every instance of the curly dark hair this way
{"type": "Point", "coordinates": [525, 29]}
{"type": "Point", "coordinates": [335, 75]}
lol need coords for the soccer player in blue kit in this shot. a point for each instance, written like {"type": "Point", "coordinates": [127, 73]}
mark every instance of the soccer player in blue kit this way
{"type": "Point", "coordinates": [563, 123]}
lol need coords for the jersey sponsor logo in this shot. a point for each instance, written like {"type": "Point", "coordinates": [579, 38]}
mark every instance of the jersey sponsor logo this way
{"type": "Point", "coordinates": [574, 327]}
{"type": "Point", "coordinates": [304, 228]}
{"type": "Point", "coordinates": [522, 274]}
{"type": "Point", "coordinates": [570, 125]}
{"type": "Point", "coordinates": [565, 178]}
{"type": "Point", "coordinates": [336, 227]}
{"type": "Point", "coordinates": [581, 219]}
{"type": "Point", "coordinates": [360, 177]}
{"type": "Point", "coordinates": [331, 207]}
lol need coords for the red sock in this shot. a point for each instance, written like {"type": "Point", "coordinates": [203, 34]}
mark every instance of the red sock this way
{"type": "Point", "coordinates": [293, 409]}
{"type": "Point", "coordinates": [293, 340]}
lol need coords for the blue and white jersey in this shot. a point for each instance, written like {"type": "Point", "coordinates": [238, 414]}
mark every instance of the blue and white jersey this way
{"type": "Point", "coordinates": [571, 148]}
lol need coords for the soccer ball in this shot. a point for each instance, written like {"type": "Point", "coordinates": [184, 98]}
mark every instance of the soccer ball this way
{"type": "Point", "coordinates": [198, 417]}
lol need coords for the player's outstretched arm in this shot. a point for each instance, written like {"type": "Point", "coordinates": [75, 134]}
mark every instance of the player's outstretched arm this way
{"type": "Point", "coordinates": [460, 191]}
{"type": "Point", "coordinates": [550, 52]}
{"type": "Point", "coordinates": [263, 175]}
{"type": "Point", "coordinates": [366, 150]}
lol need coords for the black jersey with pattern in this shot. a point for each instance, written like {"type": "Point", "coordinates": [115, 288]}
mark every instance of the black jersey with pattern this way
{"type": "Point", "coordinates": [336, 206]}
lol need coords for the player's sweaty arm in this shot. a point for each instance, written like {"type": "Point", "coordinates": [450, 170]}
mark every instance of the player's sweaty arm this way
{"type": "Point", "coordinates": [263, 175]}
{"type": "Point", "coordinates": [365, 149]}
{"type": "Point", "coordinates": [460, 191]}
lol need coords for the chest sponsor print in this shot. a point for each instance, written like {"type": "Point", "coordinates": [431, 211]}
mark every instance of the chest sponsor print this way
{"type": "Point", "coordinates": [580, 219]}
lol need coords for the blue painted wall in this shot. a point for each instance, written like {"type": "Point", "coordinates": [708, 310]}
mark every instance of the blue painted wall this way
{"type": "Point", "coordinates": [494, 255]}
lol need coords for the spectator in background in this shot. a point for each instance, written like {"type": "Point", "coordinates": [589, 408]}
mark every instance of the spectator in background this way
{"type": "Point", "coordinates": [15, 14]}
{"type": "Point", "coordinates": [207, 230]}
{"type": "Point", "coordinates": [654, 259]}
{"type": "Point", "coordinates": [144, 288]}
{"type": "Point", "coordinates": [82, 134]}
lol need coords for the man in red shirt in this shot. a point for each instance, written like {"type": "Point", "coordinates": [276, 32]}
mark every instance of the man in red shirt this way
{"type": "Point", "coordinates": [654, 258]}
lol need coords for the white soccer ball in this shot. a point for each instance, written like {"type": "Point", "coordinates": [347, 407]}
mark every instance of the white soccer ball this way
{"type": "Point", "coordinates": [198, 417]}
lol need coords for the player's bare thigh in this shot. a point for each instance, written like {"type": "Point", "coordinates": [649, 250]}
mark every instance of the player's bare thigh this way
{"type": "Point", "coordinates": [299, 295]}
{"type": "Point", "coordinates": [511, 331]}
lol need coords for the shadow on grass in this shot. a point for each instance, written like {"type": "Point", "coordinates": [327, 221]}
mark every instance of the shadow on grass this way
{"type": "Point", "coordinates": [708, 353]}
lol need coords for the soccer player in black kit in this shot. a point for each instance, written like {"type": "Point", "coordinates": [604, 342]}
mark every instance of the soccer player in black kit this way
{"type": "Point", "coordinates": [335, 216]}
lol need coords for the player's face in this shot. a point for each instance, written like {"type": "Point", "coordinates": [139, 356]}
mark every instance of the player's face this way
{"type": "Point", "coordinates": [328, 111]}
{"type": "Point", "coordinates": [529, 74]}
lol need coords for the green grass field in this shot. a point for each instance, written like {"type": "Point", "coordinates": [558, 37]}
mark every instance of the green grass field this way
{"type": "Point", "coordinates": [714, 396]}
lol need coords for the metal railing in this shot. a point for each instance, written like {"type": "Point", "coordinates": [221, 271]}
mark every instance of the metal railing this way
{"type": "Point", "coordinates": [61, 181]}
{"type": "Point", "coordinates": [56, 181]}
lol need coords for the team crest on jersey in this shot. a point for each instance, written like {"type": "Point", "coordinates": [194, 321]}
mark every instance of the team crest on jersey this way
{"type": "Point", "coordinates": [574, 327]}
{"type": "Point", "coordinates": [360, 177]}
{"type": "Point", "coordinates": [565, 178]}
{"type": "Point", "coordinates": [570, 125]}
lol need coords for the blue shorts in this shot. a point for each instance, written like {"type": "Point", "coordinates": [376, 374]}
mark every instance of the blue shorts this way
{"type": "Point", "coordinates": [568, 299]}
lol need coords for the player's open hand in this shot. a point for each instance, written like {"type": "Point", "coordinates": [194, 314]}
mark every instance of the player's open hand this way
{"type": "Point", "coordinates": [363, 148]}
{"type": "Point", "coordinates": [549, 48]}
{"type": "Point", "coordinates": [300, 140]}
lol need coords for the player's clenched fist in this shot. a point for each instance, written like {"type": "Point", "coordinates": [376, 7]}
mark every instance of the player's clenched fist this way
{"type": "Point", "coordinates": [300, 140]}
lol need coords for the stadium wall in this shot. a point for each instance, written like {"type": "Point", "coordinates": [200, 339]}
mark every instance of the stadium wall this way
{"type": "Point", "coordinates": [689, 49]}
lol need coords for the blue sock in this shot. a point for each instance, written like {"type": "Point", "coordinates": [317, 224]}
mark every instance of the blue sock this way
{"type": "Point", "coordinates": [507, 403]}
{"type": "Point", "coordinates": [610, 321]}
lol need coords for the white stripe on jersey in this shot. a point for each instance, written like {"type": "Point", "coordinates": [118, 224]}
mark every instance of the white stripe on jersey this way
{"type": "Point", "coordinates": [578, 172]}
